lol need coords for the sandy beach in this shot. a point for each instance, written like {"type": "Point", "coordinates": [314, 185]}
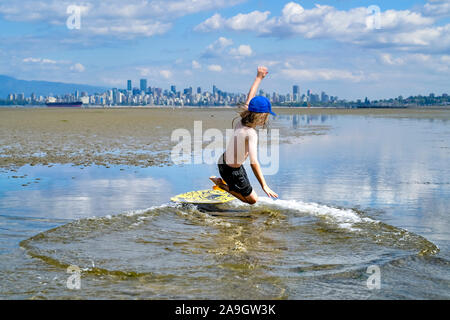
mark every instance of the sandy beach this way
{"type": "Point", "coordinates": [127, 136]}
{"type": "Point", "coordinates": [96, 136]}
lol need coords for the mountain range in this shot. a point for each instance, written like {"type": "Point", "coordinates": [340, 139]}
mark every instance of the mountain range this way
{"type": "Point", "coordinates": [42, 88]}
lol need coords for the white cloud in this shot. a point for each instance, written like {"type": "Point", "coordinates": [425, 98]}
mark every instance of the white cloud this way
{"type": "Point", "coordinates": [249, 21]}
{"type": "Point", "coordinates": [429, 39]}
{"type": "Point", "coordinates": [41, 61]}
{"type": "Point", "coordinates": [215, 68]}
{"type": "Point", "coordinates": [268, 63]}
{"type": "Point", "coordinates": [217, 47]}
{"type": "Point", "coordinates": [403, 59]}
{"type": "Point", "coordinates": [437, 8]}
{"type": "Point", "coordinates": [427, 62]}
{"type": "Point", "coordinates": [322, 75]}
{"type": "Point", "coordinates": [220, 44]}
{"type": "Point", "coordinates": [144, 72]}
{"type": "Point", "coordinates": [154, 73]}
{"type": "Point", "coordinates": [243, 50]}
{"type": "Point", "coordinates": [128, 29]}
{"type": "Point", "coordinates": [34, 60]}
{"type": "Point", "coordinates": [114, 17]}
{"type": "Point", "coordinates": [240, 22]}
{"type": "Point", "coordinates": [77, 67]}
{"type": "Point", "coordinates": [196, 65]}
{"type": "Point", "coordinates": [48, 61]}
{"type": "Point", "coordinates": [166, 74]}
{"type": "Point", "coordinates": [387, 58]}
{"type": "Point", "coordinates": [54, 64]}
{"type": "Point", "coordinates": [216, 22]}
{"type": "Point", "coordinates": [292, 12]}
{"type": "Point", "coordinates": [402, 29]}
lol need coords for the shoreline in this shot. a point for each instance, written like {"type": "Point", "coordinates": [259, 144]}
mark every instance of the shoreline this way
{"type": "Point", "coordinates": [227, 107]}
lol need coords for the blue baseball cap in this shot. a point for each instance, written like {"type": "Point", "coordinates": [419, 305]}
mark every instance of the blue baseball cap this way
{"type": "Point", "coordinates": [260, 104]}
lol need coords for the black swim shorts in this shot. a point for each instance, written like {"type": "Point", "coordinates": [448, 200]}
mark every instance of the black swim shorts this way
{"type": "Point", "coordinates": [236, 178]}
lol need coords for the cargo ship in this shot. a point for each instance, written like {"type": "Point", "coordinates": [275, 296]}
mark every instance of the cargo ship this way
{"type": "Point", "coordinates": [77, 104]}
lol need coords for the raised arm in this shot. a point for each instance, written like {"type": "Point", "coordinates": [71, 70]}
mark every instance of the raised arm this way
{"type": "Point", "coordinates": [262, 72]}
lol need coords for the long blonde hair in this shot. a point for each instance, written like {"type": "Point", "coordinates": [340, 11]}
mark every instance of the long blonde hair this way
{"type": "Point", "coordinates": [249, 118]}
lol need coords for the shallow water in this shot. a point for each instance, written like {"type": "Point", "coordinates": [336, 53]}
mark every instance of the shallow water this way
{"type": "Point", "coordinates": [355, 191]}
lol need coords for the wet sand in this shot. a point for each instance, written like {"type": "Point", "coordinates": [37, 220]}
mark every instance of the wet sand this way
{"type": "Point", "coordinates": [137, 137]}
{"type": "Point", "coordinates": [127, 136]}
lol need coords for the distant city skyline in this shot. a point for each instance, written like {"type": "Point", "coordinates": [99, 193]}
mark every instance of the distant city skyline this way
{"type": "Point", "coordinates": [347, 47]}
{"type": "Point", "coordinates": [173, 88]}
{"type": "Point", "coordinates": [146, 95]}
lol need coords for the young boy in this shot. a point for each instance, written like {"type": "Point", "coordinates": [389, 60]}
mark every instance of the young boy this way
{"type": "Point", "coordinates": [244, 143]}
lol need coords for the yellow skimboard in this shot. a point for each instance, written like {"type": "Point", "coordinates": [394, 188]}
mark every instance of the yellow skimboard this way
{"type": "Point", "coordinates": [216, 196]}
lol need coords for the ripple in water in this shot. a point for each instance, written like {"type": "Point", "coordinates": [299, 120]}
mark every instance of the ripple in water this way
{"type": "Point", "coordinates": [233, 251]}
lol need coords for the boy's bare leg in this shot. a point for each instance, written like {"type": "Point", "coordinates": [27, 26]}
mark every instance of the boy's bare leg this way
{"type": "Point", "coordinates": [221, 184]}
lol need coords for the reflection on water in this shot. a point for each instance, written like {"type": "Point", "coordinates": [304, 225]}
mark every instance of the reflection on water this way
{"type": "Point", "coordinates": [355, 191]}
{"type": "Point", "coordinates": [395, 165]}
{"type": "Point", "coordinates": [298, 120]}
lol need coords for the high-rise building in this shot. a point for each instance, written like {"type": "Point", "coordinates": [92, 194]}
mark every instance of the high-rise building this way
{"type": "Point", "coordinates": [296, 93]}
{"type": "Point", "coordinates": [129, 87]}
{"type": "Point", "coordinates": [274, 97]}
{"type": "Point", "coordinates": [214, 89]}
{"type": "Point", "coordinates": [143, 85]}
{"type": "Point", "coordinates": [115, 97]}
{"type": "Point", "coordinates": [199, 90]}
{"type": "Point", "coordinates": [173, 89]}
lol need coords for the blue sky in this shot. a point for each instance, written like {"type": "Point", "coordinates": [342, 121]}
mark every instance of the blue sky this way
{"type": "Point", "coordinates": [331, 46]}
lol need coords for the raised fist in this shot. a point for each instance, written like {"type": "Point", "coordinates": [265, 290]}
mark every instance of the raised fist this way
{"type": "Point", "coordinates": [262, 72]}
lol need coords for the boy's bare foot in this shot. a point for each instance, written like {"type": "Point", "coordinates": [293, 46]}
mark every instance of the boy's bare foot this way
{"type": "Point", "coordinates": [218, 182]}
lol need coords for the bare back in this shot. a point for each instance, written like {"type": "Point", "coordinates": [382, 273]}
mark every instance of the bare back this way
{"type": "Point", "coordinates": [242, 144]}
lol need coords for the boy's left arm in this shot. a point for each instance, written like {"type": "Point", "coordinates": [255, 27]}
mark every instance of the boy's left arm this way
{"type": "Point", "coordinates": [261, 74]}
{"type": "Point", "coordinates": [258, 173]}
